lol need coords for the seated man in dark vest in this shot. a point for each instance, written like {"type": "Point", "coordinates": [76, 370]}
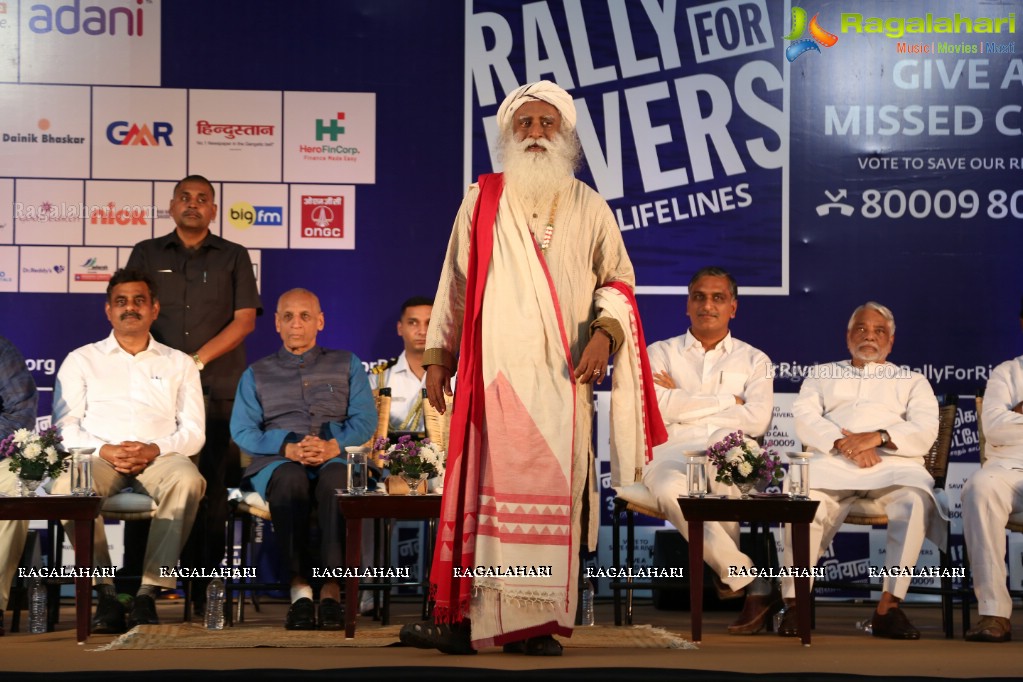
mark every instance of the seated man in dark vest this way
{"type": "Point", "coordinates": [295, 412]}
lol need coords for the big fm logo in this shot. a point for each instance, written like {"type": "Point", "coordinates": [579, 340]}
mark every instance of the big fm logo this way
{"type": "Point", "coordinates": [817, 35]}
{"type": "Point", "coordinates": [72, 18]}
{"type": "Point", "coordinates": [131, 134]}
{"type": "Point", "coordinates": [330, 127]}
{"type": "Point", "coordinates": [323, 217]}
{"type": "Point", "coordinates": [243, 215]}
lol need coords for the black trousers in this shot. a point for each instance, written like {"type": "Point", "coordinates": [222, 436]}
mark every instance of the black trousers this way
{"type": "Point", "coordinates": [293, 498]}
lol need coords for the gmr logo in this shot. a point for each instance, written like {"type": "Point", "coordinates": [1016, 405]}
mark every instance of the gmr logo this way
{"type": "Point", "coordinates": [330, 127]}
{"type": "Point", "coordinates": [93, 20]}
{"type": "Point", "coordinates": [243, 215]}
{"type": "Point", "coordinates": [799, 47]}
{"type": "Point", "coordinates": [120, 132]}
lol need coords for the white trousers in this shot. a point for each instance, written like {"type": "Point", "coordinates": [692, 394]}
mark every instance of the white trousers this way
{"type": "Point", "coordinates": [989, 497]}
{"type": "Point", "coordinates": [907, 509]}
{"type": "Point", "coordinates": [665, 477]}
{"type": "Point", "coordinates": [12, 537]}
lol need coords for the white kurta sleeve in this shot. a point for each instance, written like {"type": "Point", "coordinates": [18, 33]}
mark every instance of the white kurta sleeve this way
{"type": "Point", "coordinates": [812, 428]}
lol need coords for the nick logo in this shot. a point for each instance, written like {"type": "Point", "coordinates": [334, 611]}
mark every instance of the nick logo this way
{"type": "Point", "coordinates": [123, 133]}
{"type": "Point", "coordinates": [817, 35]}
{"type": "Point", "coordinates": [330, 127]}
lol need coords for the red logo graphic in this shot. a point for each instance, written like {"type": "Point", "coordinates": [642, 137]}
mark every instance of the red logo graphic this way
{"type": "Point", "coordinates": [323, 217]}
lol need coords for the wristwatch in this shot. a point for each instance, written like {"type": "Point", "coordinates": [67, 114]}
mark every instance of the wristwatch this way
{"type": "Point", "coordinates": [198, 362]}
{"type": "Point", "coordinates": [885, 438]}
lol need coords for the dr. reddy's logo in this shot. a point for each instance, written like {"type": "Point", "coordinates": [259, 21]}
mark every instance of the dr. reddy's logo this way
{"type": "Point", "coordinates": [799, 45]}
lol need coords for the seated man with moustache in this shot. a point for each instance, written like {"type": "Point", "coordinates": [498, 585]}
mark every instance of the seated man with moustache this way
{"type": "Point", "coordinates": [869, 424]}
{"type": "Point", "coordinates": [707, 380]}
{"type": "Point", "coordinates": [139, 403]}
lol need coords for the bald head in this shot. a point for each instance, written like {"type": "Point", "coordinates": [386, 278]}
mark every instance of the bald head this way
{"type": "Point", "coordinates": [298, 320]}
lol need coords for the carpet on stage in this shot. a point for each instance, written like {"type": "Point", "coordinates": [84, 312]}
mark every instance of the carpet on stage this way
{"type": "Point", "coordinates": [188, 636]}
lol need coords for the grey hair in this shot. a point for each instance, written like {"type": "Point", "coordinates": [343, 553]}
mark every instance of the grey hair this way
{"type": "Point", "coordinates": [883, 311]}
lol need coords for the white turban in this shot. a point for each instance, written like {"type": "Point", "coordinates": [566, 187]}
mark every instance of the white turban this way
{"type": "Point", "coordinates": [543, 91]}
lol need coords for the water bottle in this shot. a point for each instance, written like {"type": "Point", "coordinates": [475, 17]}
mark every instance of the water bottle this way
{"type": "Point", "coordinates": [37, 606]}
{"type": "Point", "coordinates": [587, 602]}
{"type": "Point", "coordinates": [215, 604]}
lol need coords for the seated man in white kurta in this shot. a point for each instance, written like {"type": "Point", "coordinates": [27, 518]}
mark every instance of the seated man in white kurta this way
{"type": "Point", "coordinates": [991, 495]}
{"type": "Point", "coordinates": [869, 424]}
{"type": "Point", "coordinates": [707, 380]}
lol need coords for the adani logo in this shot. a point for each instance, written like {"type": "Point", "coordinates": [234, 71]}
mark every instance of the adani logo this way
{"type": "Point", "coordinates": [93, 20]}
{"type": "Point", "coordinates": [244, 216]}
{"type": "Point", "coordinates": [131, 134]}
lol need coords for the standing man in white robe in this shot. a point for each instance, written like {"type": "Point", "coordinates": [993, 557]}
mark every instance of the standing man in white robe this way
{"type": "Point", "coordinates": [869, 424]}
{"type": "Point", "coordinates": [535, 295]}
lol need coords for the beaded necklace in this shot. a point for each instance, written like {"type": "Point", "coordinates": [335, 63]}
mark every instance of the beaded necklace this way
{"type": "Point", "coordinates": [548, 230]}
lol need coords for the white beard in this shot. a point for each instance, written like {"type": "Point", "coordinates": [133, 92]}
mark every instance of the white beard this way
{"type": "Point", "coordinates": [536, 177]}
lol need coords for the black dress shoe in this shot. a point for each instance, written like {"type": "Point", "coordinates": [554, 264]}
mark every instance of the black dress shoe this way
{"type": "Point", "coordinates": [109, 618]}
{"type": "Point", "coordinates": [332, 616]}
{"type": "Point", "coordinates": [789, 626]}
{"type": "Point", "coordinates": [453, 639]}
{"type": "Point", "coordinates": [143, 612]}
{"type": "Point", "coordinates": [893, 625]}
{"type": "Point", "coordinates": [756, 611]}
{"type": "Point", "coordinates": [301, 615]}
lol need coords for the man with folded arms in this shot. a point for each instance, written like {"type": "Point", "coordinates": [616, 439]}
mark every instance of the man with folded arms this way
{"type": "Point", "coordinates": [295, 412]}
{"type": "Point", "coordinates": [869, 424]}
{"type": "Point", "coordinates": [992, 494]}
{"type": "Point", "coordinates": [139, 403]}
{"type": "Point", "coordinates": [707, 381]}
{"type": "Point", "coordinates": [18, 399]}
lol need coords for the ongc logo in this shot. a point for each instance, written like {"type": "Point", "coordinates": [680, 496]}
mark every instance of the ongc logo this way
{"type": "Point", "coordinates": [123, 133]}
{"type": "Point", "coordinates": [93, 20]}
{"type": "Point", "coordinates": [243, 215]}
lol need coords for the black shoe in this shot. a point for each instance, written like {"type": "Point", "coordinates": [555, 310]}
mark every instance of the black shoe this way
{"type": "Point", "coordinates": [109, 618]}
{"type": "Point", "coordinates": [453, 639]}
{"type": "Point", "coordinates": [893, 625]}
{"type": "Point", "coordinates": [332, 616]}
{"type": "Point", "coordinates": [789, 626]}
{"type": "Point", "coordinates": [757, 611]}
{"type": "Point", "coordinates": [301, 615]}
{"type": "Point", "coordinates": [143, 612]}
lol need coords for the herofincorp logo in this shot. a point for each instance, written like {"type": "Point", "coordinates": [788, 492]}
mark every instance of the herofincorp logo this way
{"type": "Point", "coordinates": [71, 18]}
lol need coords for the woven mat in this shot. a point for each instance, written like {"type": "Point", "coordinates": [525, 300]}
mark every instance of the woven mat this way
{"type": "Point", "coordinates": [187, 636]}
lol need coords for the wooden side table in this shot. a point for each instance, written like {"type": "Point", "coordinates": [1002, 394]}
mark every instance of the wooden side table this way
{"type": "Point", "coordinates": [83, 511]}
{"type": "Point", "coordinates": [798, 513]}
{"type": "Point", "coordinates": [355, 508]}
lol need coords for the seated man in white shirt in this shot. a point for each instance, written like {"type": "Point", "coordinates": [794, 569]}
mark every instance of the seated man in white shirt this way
{"type": "Point", "coordinates": [869, 424]}
{"type": "Point", "coordinates": [992, 494]}
{"type": "Point", "coordinates": [139, 403]}
{"type": "Point", "coordinates": [706, 381]}
{"type": "Point", "coordinates": [406, 376]}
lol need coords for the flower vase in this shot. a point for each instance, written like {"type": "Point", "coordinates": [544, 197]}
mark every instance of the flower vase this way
{"type": "Point", "coordinates": [745, 487]}
{"type": "Point", "coordinates": [413, 481]}
{"type": "Point", "coordinates": [28, 486]}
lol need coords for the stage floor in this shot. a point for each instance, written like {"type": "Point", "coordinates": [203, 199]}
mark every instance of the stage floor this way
{"type": "Point", "coordinates": [838, 649]}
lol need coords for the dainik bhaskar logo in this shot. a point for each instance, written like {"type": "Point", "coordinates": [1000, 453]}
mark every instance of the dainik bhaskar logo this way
{"type": "Point", "coordinates": [818, 36]}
